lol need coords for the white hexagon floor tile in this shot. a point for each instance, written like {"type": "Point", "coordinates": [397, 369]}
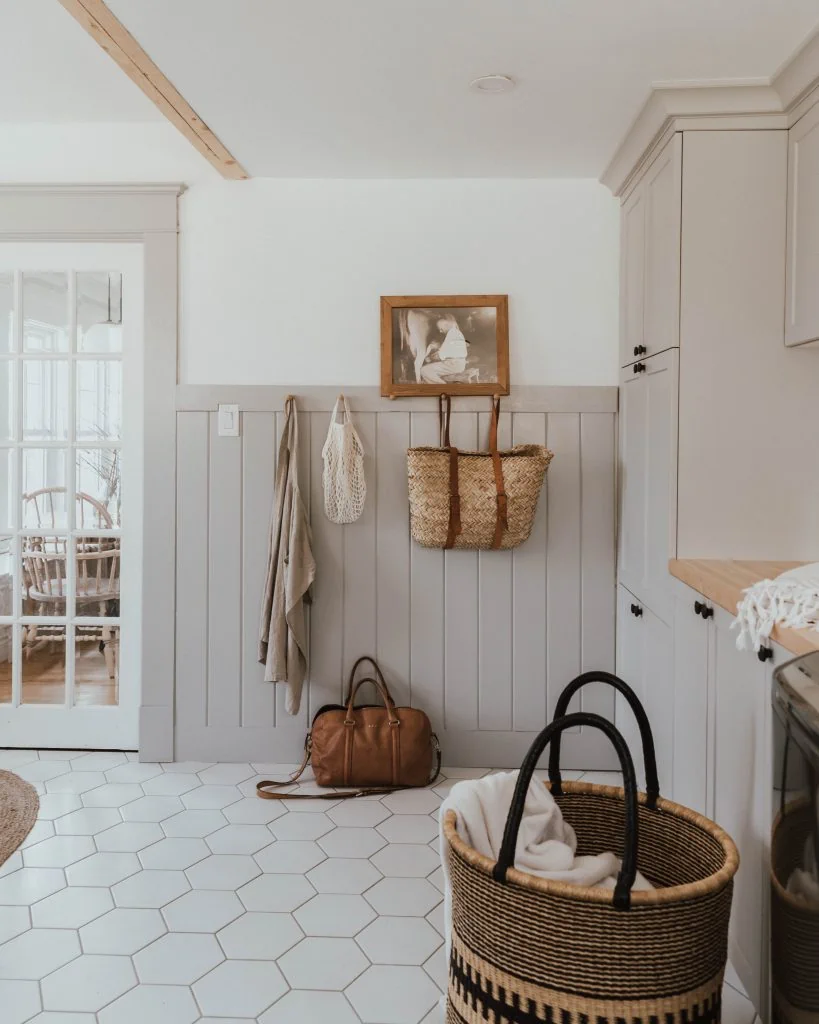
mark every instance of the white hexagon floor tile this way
{"type": "Point", "coordinates": [399, 940]}
{"type": "Point", "coordinates": [159, 1004]}
{"type": "Point", "coordinates": [252, 811]}
{"type": "Point", "coordinates": [178, 959]}
{"type": "Point", "coordinates": [152, 808]}
{"type": "Point", "coordinates": [226, 774]}
{"type": "Point", "coordinates": [38, 952]}
{"type": "Point", "coordinates": [344, 876]}
{"type": "Point", "coordinates": [58, 851]}
{"type": "Point", "coordinates": [281, 893]}
{"type": "Point", "coordinates": [352, 842]}
{"type": "Point", "coordinates": [239, 988]}
{"type": "Point", "coordinates": [406, 860]}
{"type": "Point", "coordinates": [150, 889]}
{"type": "Point", "coordinates": [239, 839]}
{"type": "Point", "coordinates": [13, 921]}
{"type": "Point", "coordinates": [223, 871]}
{"type": "Point", "coordinates": [20, 1000]}
{"type": "Point", "coordinates": [323, 964]}
{"type": "Point", "coordinates": [213, 797]}
{"type": "Point", "coordinates": [359, 813]}
{"type": "Point", "coordinates": [255, 936]}
{"type": "Point", "coordinates": [122, 931]}
{"type": "Point", "coordinates": [193, 824]}
{"type": "Point", "coordinates": [301, 825]}
{"type": "Point", "coordinates": [334, 914]}
{"type": "Point", "coordinates": [408, 828]}
{"type": "Point", "coordinates": [174, 854]}
{"type": "Point", "coordinates": [72, 907]}
{"type": "Point", "coordinates": [88, 983]}
{"type": "Point", "coordinates": [171, 784]}
{"type": "Point", "coordinates": [310, 1008]}
{"type": "Point", "coordinates": [102, 869]}
{"type": "Point", "coordinates": [129, 837]}
{"type": "Point", "coordinates": [202, 910]}
{"type": "Point", "coordinates": [29, 885]}
{"type": "Point", "coordinates": [412, 801]}
{"type": "Point", "coordinates": [393, 995]}
{"type": "Point", "coordinates": [403, 897]}
{"type": "Point", "coordinates": [296, 856]}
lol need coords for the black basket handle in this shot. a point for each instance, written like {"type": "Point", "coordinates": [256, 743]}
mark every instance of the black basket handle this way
{"type": "Point", "coordinates": [628, 870]}
{"type": "Point", "coordinates": [649, 756]}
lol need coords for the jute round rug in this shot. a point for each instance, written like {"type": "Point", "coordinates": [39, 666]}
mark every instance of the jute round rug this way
{"type": "Point", "coordinates": [19, 805]}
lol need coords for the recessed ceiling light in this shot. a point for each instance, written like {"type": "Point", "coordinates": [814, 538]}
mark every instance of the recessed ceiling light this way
{"type": "Point", "coordinates": [493, 83]}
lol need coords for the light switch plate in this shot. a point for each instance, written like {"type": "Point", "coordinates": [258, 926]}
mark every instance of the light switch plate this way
{"type": "Point", "coordinates": [228, 421]}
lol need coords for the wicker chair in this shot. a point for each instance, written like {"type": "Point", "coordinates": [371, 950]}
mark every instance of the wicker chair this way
{"type": "Point", "coordinates": [45, 574]}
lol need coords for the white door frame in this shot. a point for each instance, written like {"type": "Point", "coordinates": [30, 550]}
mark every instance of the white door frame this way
{"type": "Point", "coordinates": [146, 214]}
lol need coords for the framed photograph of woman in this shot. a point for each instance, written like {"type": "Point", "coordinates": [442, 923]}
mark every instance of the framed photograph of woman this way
{"type": "Point", "coordinates": [444, 344]}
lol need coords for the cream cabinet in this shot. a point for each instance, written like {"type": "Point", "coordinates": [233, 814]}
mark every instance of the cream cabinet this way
{"type": "Point", "coordinates": [644, 660]}
{"type": "Point", "coordinates": [802, 293]}
{"type": "Point", "coordinates": [650, 258]}
{"type": "Point", "coordinates": [648, 477]}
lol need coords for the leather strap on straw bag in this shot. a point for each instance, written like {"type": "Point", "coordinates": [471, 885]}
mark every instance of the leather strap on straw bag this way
{"type": "Point", "coordinates": [501, 520]}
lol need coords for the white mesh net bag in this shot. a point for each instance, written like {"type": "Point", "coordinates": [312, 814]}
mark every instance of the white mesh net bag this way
{"type": "Point", "coordinates": [343, 478]}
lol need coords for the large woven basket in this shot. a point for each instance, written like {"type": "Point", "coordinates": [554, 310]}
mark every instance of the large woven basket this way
{"type": "Point", "coordinates": [794, 920]}
{"type": "Point", "coordinates": [465, 499]}
{"type": "Point", "coordinates": [527, 950]}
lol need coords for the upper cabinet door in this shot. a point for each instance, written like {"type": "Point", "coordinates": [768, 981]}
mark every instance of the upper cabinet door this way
{"type": "Point", "coordinates": [648, 479]}
{"type": "Point", "coordinates": [632, 275]}
{"type": "Point", "coordinates": [650, 258]}
{"type": "Point", "coordinates": [802, 294]}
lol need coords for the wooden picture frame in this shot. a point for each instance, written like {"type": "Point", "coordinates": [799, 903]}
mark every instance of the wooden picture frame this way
{"type": "Point", "coordinates": [470, 331]}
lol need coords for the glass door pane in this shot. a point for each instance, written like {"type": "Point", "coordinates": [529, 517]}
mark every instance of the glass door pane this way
{"type": "Point", "coordinates": [45, 312]}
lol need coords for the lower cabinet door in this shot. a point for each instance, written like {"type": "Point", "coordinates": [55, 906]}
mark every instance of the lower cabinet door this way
{"type": "Point", "coordinates": [689, 779]}
{"type": "Point", "coordinates": [645, 660]}
{"type": "Point", "coordinates": [741, 787]}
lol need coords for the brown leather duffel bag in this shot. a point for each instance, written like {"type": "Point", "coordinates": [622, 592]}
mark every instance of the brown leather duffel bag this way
{"type": "Point", "coordinates": [379, 747]}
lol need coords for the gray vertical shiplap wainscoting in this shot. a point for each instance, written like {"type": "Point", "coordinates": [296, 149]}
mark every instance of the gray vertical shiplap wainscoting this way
{"type": "Point", "coordinates": [482, 641]}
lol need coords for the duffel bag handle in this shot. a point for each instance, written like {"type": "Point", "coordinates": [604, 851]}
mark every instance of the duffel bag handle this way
{"type": "Point", "coordinates": [379, 674]}
{"type": "Point", "coordinates": [649, 756]}
{"type": "Point", "coordinates": [628, 870]}
{"type": "Point", "coordinates": [389, 703]}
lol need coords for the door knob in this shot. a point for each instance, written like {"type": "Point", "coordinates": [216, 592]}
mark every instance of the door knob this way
{"type": "Point", "coordinates": [765, 653]}
{"type": "Point", "coordinates": [640, 350]}
{"type": "Point", "coordinates": [707, 613]}
{"type": "Point", "coordinates": [698, 607]}
{"type": "Point", "coordinates": [639, 367]}
{"type": "Point", "coordinates": [636, 610]}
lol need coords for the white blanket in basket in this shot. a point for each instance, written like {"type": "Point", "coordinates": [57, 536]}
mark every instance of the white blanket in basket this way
{"type": "Point", "coordinates": [546, 843]}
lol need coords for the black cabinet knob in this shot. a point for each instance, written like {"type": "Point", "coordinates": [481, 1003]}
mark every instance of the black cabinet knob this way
{"type": "Point", "coordinates": [765, 653]}
{"type": "Point", "coordinates": [707, 613]}
{"type": "Point", "coordinates": [640, 350]}
{"type": "Point", "coordinates": [639, 367]}
{"type": "Point", "coordinates": [636, 610]}
{"type": "Point", "coordinates": [698, 607]}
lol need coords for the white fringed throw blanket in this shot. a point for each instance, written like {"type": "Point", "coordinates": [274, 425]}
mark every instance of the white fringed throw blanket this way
{"type": "Point", "coordinates": [791, 600]}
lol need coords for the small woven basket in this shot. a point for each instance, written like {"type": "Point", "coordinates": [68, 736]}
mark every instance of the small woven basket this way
{"type": "Point", "coordinates": [526, 949]}
{"type": "Point", "coordinates": [474, 499]}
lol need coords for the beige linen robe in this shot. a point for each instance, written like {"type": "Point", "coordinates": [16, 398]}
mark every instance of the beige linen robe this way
{"type": "Point", "coordinates": [291, 570]}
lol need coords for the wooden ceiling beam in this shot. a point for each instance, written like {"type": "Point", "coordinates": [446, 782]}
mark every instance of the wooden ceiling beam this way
{"type": "Point", "coordinates": [120, 45]}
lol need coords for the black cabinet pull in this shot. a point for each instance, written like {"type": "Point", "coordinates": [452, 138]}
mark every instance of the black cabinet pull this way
{"type": "Point", "coordinates": [640, 350]}
{"type": "Point", "coordinates": [698, 607]}
{"type": "Point", "coordinates": [765, 653]}
{"type": "Point", "coordinates": [636, 610]}
{"type": "Point", "coordinates": [639, 367]}
{"type": "Point", "coordinates": [707, 613]}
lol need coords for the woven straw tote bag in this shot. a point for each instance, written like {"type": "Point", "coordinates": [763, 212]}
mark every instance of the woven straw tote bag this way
{"type": "Point", "coordinates": [481, 500]}
{"type": "Point", "coordinates": [527, 950]}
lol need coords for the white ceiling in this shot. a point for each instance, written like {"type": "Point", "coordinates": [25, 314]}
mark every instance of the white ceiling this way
{"type": "Point", "coordinates": [52, 71]}
{"type": "Point", "coordinates": [379, 88]}
{"type": "Point", "coordinates": [371, 88]}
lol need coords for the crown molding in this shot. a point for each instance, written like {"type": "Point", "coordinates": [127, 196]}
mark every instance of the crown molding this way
{"type": "Point", "coordinates": [104, 189]}
{"type": "Point", "coordinates": [754, 103]}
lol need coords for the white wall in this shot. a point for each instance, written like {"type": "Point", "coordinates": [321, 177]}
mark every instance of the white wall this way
{"type": "Point", "coordinates": [93, 151]}
{"type": "Point", "coordinates": [280, 279]}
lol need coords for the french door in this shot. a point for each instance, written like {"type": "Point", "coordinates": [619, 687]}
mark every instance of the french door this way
{"type": "Point", "coordinates": [70, 494]}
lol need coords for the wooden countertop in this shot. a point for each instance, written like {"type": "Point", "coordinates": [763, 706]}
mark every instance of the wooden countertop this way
{"type": "Point", "coordinates": [722, 581]}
